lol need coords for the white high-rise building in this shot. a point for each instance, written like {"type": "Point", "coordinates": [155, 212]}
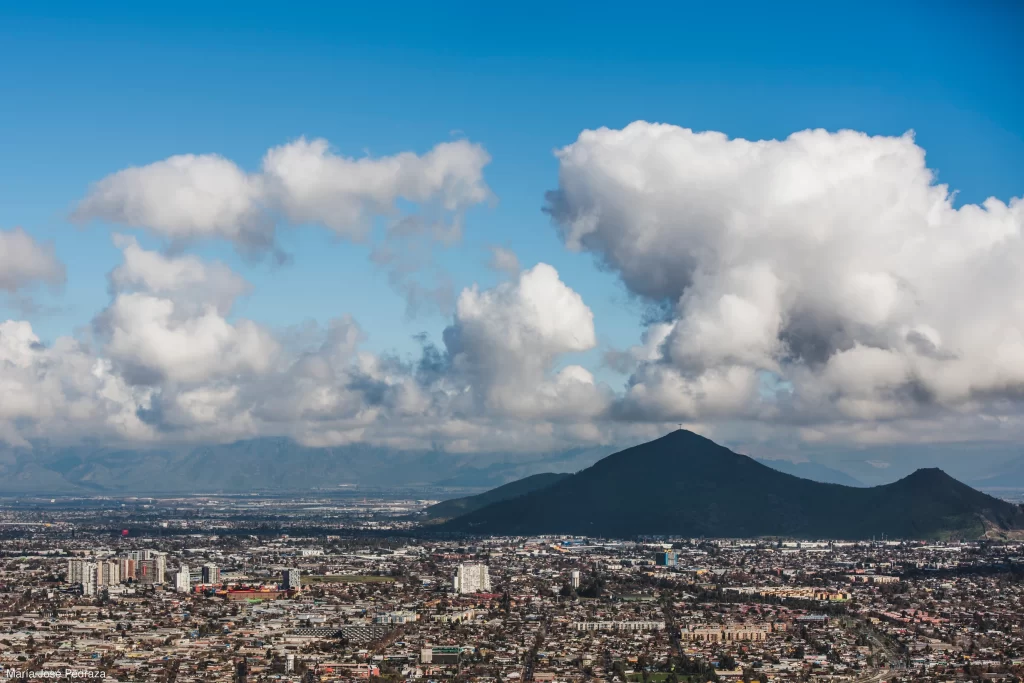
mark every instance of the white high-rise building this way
{"type": "Point", "coordinates": [211, 573]}
{"type": "Point", "coordinates": [574, 579]}
{"type": "Point", "coordinates": [183, 580]}
{"type": "Point", "coordinates": [108, 573]}
{"type": "Point", "coordinates": [88, 575]}
{"type": "Point", "coordinates": [76, 569]}
{"type": "Point", "coordinates": [291, 579]}
{"type": "Point", "coordinates": [472, 578]}
{"type": "Point", "coordinates": [89, 586]}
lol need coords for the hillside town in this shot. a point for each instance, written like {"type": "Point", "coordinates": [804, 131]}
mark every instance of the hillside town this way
{"type": "Point", "coordinates": [388, 605]}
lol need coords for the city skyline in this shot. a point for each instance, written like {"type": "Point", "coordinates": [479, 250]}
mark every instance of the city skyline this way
{"type": "Point", "coordinates": [354, 591]}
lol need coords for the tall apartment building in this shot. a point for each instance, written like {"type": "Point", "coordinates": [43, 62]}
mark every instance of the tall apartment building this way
{"type": "Point", "coordinates": [151, 570]}
{"type": "Point", "coordinates": [667, 559]}
{"type": "Point", "coordinates": [108, 573]}
{"type": "Point", "coordinates": [472, 578]}
{"type": "Point", "coordinates": [211, 573]}
{"type": "Point", "coordinates": [76, 570]}
{"type": "Point", "coordinates": [127, 568]}
{"type": "Point", "coordinates": [93, 575]}
{"type": "Point", "coordinates": [85, 574]}
{"type": "Point", "coordinates": [89, 576]}
{"type": "Point", "coordinates": [291, 579]}
{"type": "Point", "coordinates": [183, 580]}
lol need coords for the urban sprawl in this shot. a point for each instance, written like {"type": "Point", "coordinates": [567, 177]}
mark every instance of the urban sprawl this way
{"type": "Point", "coordinates": [233, 589]}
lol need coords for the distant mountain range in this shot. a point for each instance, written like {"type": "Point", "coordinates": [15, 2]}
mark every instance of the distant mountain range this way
{"type": "Point", "coordinates": [279, 465]}
{"type": "Point", "coordinates": [685, 484]}
{"type": "Point", "coordinates": [813, 471]}
{"type": "Point", "coordinates": [268, 464]}
{"type": "Point", "coordinates": [455, 507]}
{"type": "Point", "coordinates": [1009, 475]}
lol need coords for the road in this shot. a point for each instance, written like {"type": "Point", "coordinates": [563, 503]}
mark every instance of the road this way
{"type": "Point", "coordinates": [531, 656]}
{"type": "Point", "coordinates": [883, 650]}
{"type": "Point", "coordinates": [876, 678]}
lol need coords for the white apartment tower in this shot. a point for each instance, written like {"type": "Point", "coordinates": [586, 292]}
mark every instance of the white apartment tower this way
{"type": "Point", "coordinates": [108, 573]}
{"type": "Point", "coordinates": [291, 579]}
{"type": "Point", "coordinates": [211, 573]}
{"type": "Point", "coordinates": [472, 578]}
{"type": "Point", "coordinates": [76, 570]}
{"type": "Point", "coordinates": [83, 573]}
{"type": "Point", "coordinates": [89, 584]}
{"type": "Point", "coordinates": [92, 575]}
{"type": "Point", "coordinates": [182, 580]}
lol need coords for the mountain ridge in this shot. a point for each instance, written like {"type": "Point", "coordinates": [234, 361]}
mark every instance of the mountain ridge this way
{"type": "Point", "coordinates": [266, 464]}
{"type": "Point", "coordinates": [813, 471]}
{"type": "Point", "coordinates": [455, 507]}
{"type": "Point", "coordinates": [685, 484]}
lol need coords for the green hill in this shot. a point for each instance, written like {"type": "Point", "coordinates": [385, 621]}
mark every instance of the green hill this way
{"type": "Point", "coordinates": [684, 484]}
{"type": "Point", "coordinates": [459, 506]}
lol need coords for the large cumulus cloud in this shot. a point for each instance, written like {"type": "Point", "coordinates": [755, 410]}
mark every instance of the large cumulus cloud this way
{"type": "Point", "coordinates": [196, 196]}
{"type": "Point", "coordinates": [64, 392]}
{"type": "Point", "coordinates": [506, 340]}
{"type": "Point", "coordinates": [168, 320]}
{"type": "Point", "coordinates": [823, 279]}
{"type": "Point", "coordinates": [422, 199]}
{"type": "Point", "coordinates": [166, 361]}
{"type": "Point", "coordinates": [824, 286]}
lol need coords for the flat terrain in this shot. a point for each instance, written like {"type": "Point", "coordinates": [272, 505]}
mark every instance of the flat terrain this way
{"type": "Point", "coordinates": [346, 578]}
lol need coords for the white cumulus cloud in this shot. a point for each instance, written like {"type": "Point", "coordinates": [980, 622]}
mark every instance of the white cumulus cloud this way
{"type": "Point", "coordinates": [186, 278]}
{"type": "Point", "coordinates": [192, 196]}
{"type": "Point", "coordinates": [167, 363]}
{"type": "Point", "coordinates": [167, 321]}
{"type": "Point", "coordinates": [186, 196]}
{"type": "Point", "coordinates": [24, 261]}
{"type": "Point", "coordinates": [831, 264]}
{"type": "Point", "coordinates": [506, 340]}
{"type": "Point", "coordinates": [63, 392]}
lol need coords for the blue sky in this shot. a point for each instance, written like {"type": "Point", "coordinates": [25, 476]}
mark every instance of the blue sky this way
{"type": "Point", "coordinates": [91, 88]}
{"type": "Point", "coordinates": [94, 88]}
